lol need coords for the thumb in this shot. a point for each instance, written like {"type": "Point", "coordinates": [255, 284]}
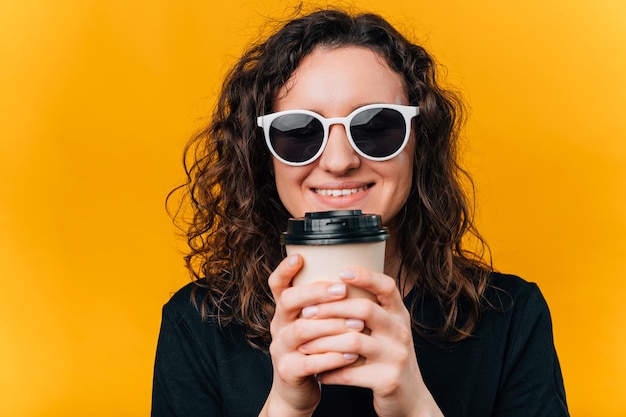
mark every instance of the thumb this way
{"type": "Point", "coordinates": [282, 276]}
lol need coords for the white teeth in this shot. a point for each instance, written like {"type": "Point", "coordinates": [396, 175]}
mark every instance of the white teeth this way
{"type": "Point", "coordinates": [339, 193]}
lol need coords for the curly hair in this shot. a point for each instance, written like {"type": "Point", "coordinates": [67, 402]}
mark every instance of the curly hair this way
{"type": "Point", "coordinates": [237, 216]}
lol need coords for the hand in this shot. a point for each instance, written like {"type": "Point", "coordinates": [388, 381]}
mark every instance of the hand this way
{"type": "Point", "coordinates": [295, 390]}
{"type": "Point", "coordinates": [390, 368]}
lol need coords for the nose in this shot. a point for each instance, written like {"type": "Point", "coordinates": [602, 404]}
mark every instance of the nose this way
{"type": "Point", "coordinates": [338, 157]}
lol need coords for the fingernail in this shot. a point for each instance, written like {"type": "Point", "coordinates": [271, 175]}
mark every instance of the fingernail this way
{"type": "Point", "coordinates": [347, 274]}
{"type": "Point", "coordinates": [355, 324]}
{"type": "Point", "coordinates": [308, 312]}
{"type": "Point", "coordinates": [350, 356]}
{"type": "Point", "coordinates": [292, 260]}
{"type": "Point", "coordinates": [337, 289]}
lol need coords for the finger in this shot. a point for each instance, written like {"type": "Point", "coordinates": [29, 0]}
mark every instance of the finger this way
{"type": "Point", "coordinates": [350, 308]}
{"type": "Point", "coordinates": [301, 297]}
{"type": "Point", "coordinates": [383, 323]}
{"type": "Point", "coordinates": [304, 331]}
{"type": "Point", "coordinates": [301, 366]}
{"type": "Point", "coordinates": [282, 276]}
{"type": "Point", "coordinates": [365, 376]}
{"type": "Point", "coordinates": [290, 336]}
{"type": "Point", "coordinates": [382, 286]}
{"type": "Point", "coordinates": [346, 341]}
{"type": "Point", "coordinates": [303, 301]}
{"type": "Point", "coordinates": [383, 365]}
{"type": "Point", "coordinates": [375, 349]}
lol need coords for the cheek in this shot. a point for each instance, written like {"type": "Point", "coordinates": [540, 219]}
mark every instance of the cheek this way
{"type": "Point", "coordinates": [407, 169]}
{"type": "Point", "coordinates": [289, 185]}
{"type": "Point", "coordinates": [401, 191]}
{"type": "Point", "coordinates": [281, 177]}
{"type": "Point", "coordinates": [283, 191]}
{"type": "Point", "coordinates": [404, 181]}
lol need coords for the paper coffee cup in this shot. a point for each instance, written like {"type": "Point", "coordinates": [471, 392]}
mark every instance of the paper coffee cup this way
{"type": "Point", "coordinates": [334, 240]}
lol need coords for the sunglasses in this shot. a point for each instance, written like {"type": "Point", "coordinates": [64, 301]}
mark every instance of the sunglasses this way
{"type": "Point", "coordinates": [377, 132]}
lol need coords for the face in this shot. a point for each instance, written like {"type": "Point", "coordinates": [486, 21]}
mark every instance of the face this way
{"type": "Point", "coordinates": [333, 83]}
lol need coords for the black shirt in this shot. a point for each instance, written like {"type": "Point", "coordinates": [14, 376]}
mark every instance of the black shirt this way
{"type": "Point", "coordinates": [509, 367]}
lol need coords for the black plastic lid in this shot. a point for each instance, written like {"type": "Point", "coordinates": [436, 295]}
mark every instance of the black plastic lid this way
{"type": "Point", "coordinates": [334, 227]}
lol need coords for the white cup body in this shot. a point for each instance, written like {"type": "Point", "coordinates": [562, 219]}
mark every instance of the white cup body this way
{"type": "Point", "coordinates": [323, 262]}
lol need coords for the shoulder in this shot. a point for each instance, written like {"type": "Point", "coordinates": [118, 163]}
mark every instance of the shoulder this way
{"type": "Point", "coordinates": [189, 317]}
{"type": "Point", "coordinates": [506, 292]}
{"type": "Point", "coordinates": [518, 306]}
{"type": "Point", "coordinates": [519, 325]}
{"type": "Point", "coordinates": [187, 295]}
{"type": "Point", "coordinates": [186, 304]}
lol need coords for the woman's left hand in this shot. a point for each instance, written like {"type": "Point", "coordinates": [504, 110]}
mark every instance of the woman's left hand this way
{"type": "Point", "coordinates": [390, 367]}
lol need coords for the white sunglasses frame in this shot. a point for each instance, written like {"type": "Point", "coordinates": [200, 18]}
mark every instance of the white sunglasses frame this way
{"type": "Point", "coordinates": [408, 112]}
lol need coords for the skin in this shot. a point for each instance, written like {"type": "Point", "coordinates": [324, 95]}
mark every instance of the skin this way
{"type": "Point", "coordinates": [316, 331]}
{"type": "Point", "coordinates": [333, 83]}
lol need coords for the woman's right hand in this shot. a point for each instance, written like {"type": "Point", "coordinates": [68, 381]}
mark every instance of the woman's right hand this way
{"type": "Point", "coordinates": [295, 390]}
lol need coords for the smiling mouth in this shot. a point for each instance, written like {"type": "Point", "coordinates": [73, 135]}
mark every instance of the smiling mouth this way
{"type": "Point", "coordinates": [339, 193]}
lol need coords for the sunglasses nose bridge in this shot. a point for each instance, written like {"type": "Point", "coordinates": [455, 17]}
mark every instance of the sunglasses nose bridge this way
{"type": "Point", "coordinates": [341, 145]}
{"type": "Point", "coordinates": [344, 121]}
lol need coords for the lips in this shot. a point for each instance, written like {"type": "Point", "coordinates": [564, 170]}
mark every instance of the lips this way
{"type": "Point", "coordinates": [339, 192]}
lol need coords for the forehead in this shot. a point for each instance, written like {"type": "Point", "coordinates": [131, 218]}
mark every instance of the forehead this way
{"type": "Point", "coordinates": [339, 76]}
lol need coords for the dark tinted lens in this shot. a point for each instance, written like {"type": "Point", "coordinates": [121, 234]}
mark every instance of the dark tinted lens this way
{"type": "Point", "coordinates": [296, 137]}
{"type": "Point", "coordinates": [378, 132]}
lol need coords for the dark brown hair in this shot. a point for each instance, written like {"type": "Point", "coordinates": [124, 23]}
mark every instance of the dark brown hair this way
{"type": "Point", "coordinates": [237, 216]}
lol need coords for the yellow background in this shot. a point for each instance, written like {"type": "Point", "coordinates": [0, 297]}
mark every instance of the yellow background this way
{"type": "Point", "coordinates": [97, 98]}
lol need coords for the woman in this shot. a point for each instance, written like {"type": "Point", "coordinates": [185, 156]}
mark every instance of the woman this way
{"type": "Point", "coordinates": [446, 334]}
